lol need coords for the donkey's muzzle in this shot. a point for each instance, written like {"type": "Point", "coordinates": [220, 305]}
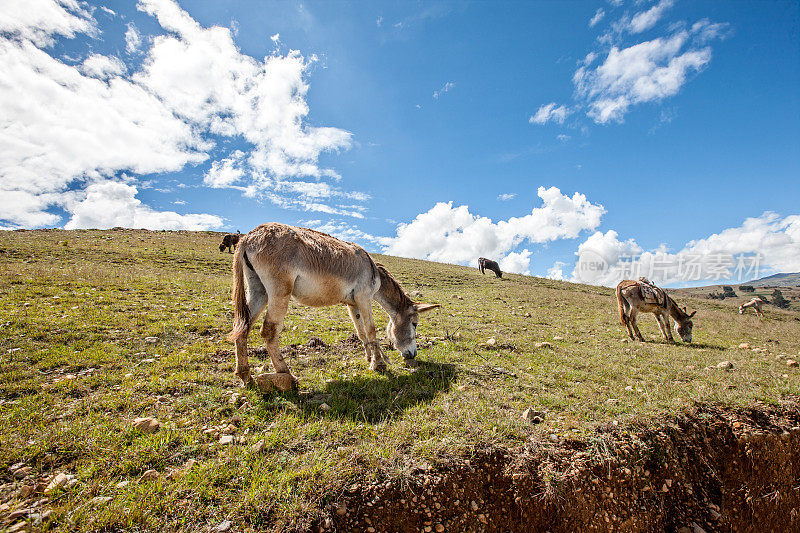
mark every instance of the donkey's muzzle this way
{"type": "Point", "coordinates": [410, 354]}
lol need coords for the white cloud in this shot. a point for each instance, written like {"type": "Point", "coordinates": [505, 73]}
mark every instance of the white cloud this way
{"type": "Point", "coordinates": [226, 172]}
{"type": "Point", "coordinates": [445, 88]}
{"type": "Point", "coordinates": [548, 112]}
{"type": "Point", "coordinates": [454, 235]}
{"type": "Point", "coordinates": [556, 271]}
{"type": "Point", "coordinates": [379, 21]}
{"type": "Point", "coordinates": [133, 38]}
{"type": "Point", "coordinates": [102, 67]}
{"type": "Point", "coordinates": [644, 20]}
{"type": "Point", "coordinates": [276, 38]}
{"type": "Point", "coordinates": [604, 260]}
{"type": "Point", "coordinates": [345, 231]}
{"type": "Point", "coordinates": [598, 16]}
{"type": "Point", "coordinates": [645, 72]}
{"type": "Point", "coordinates": [517, 262]}
{"type": "Point", "coordinates": [38, 21]}
{"type": "Point", "coordinates": [563, 138]}
{"type": "Point", "coordinates": [110, 204]}
{"type": "Point", "coordinates": [506, 196]}
{"type": "Point", "coordinates": [66, 127]}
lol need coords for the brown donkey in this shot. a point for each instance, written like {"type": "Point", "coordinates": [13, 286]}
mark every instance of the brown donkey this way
{"type": "Point", "coordinates": [755, 303]}
{"type": "Point", "coordinates": [275, 262]}
{"type": "Point", "coordinates": [631, 302]}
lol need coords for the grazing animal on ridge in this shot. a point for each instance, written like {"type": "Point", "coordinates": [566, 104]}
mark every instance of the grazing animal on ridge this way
{"type": "Point", "coordinates": [229, 241]}
{"type": "Point", "coordinates": [487, 264]}
{"type": "Point", "coordinates": [755, 303]}
{"type": "Point", "coordinates": [634, 297]}
{"type": "Point", "coordinates": [275, 262]}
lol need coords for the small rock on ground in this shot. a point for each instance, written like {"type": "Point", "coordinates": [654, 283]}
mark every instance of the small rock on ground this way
{"type": "Point", "coordinates": [225, 525]}
{"type": "Point", "coordinates": [147, 424]}
{"type": "Point", "coordinates": [725, 365]}
{"type": "Point", "coordinates": [533, 417]}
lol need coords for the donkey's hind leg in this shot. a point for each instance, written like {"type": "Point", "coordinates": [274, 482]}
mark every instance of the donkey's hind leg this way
{"type": "Point", "coordinates": [256, 300]}
{"type": "Point", "coordinates": [282, 379]}
{"type": "Point", "coordinates": [632, 322]}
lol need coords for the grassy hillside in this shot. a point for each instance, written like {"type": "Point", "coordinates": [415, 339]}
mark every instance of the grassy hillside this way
{"type": "Point", "coordinates": [98, 328]}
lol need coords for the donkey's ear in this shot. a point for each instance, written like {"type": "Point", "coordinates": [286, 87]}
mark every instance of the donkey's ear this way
{"type": "Point", "coordinates": [424, 308]}
{"type": "Point", "coordinates": [693, 313]}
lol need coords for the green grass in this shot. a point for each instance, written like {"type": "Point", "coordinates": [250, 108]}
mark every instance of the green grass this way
{"type": "Point", "coordinates": [81, 300]}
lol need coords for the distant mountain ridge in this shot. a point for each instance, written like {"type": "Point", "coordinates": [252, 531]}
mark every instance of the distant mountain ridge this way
{"type": "Point", "coordinates": [779, 280]}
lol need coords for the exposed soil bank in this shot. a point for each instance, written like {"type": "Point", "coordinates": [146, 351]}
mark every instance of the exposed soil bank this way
{"type": "Point", "coordinates": [711, 469]}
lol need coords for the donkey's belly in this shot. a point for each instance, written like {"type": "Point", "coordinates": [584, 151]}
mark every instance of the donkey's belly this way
{"type": "Point", "coordinates": [319, 291]}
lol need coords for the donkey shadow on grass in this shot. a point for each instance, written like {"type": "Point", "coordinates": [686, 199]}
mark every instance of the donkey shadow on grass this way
{"type": "Point", "coordinates": [369, 397]}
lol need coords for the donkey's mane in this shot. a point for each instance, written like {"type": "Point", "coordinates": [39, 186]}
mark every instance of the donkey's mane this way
{"type": "Point", "coordinates": [392, 288]}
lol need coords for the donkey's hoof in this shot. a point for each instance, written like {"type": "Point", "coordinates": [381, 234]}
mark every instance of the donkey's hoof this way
{"type": "Point", "coordinates": [378, 366]}
{"type": "Point", "coordinates": [278, 381]}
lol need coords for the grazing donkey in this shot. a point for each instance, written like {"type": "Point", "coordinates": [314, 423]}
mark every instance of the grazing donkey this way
{"type": "Point", "coordinates": [755, 303]}
{"type": "Point", "coordinates": [229, 241]}
{"type": "Point", "coordinates": [632, 299]}
{"type": "Point", "coordinates": [487, 264]}
{"type": "Point", "coordinates": [275, 262]}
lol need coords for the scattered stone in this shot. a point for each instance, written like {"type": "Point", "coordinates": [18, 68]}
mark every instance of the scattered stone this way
{"type": "Point", "coordinates": [543, 345]}
{"type": "Point", "coordinates": [533, 417]}
{"type": "Point", "coordinates": [100, 500]}
{"type": "Point", "coordinates": [281, 381]}
{"type": "Point", "coordinates": [26, 491]}
{"type": "Point", "coordinates": [146, 424]}
{"type": "Point", "coordinates": [725, 365]}
{"type": "Point", "coordinates": [23, 472]}
{"type": "Point", "coordinates": [122, 484]}
{"type": "Point", "coordinates": [223, 526]}
{"type": "Point", "coordinates": [744, 346]}
{"type": "Point", "coordinates": [151, 340]}
{"type": "Point", "coordinates": [149, 475]}
{"type": "Point", "coordinates": [324, 407]}
{"type": "Point", "coordinates": [226, 439]}
{"type": "Point", "coordinates": [791, 362]}
{"type": "Point", "coordinates": [439, 528]}
{"type": "Point", "coordinates": [557, 338]}
{"type": "Point", "coordinates": [258, 447]}
{"type": "Point", "coordinates": [491, 342]}
{"type": "Point", "coordinates": [612, 401]}
{"type": "Point", "coordinates": [61, 480]}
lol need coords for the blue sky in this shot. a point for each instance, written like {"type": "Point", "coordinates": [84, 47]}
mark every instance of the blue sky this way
{"type": "Point", "coordinates": [668, 127]}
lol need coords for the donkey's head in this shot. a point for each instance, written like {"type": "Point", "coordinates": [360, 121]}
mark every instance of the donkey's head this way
{"type": "Point", "coordinates": [402, 328]}
{"type": "Point", "coordinates": [683, 327]}
{"type": "Point", "coordinates": [222, 247]}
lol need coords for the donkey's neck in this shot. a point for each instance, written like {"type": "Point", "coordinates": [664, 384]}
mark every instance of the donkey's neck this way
{"type": "Point", "coordinates": [676, 312]}
{"type": "Point", "coordinates": [391, 296]}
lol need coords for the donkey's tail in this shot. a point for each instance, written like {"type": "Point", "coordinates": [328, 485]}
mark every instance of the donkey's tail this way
{"type": "Point", "coordinates": [623, 316]}
{"type": "Point", "coordinates": [241, 312]}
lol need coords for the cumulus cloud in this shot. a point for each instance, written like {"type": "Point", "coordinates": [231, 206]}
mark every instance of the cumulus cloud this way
{"type": "Point", "coordinates": [620, 74]}
{"type": "Point", "coordinates": [346, 232]}
{"type": "Point", "coordinates": [66, 127]}
{"type": "Point", "coordinates": [38, 21]}
{"type": "Point", "coordinates": [103, 67]}
{"type": "Point", "coordinates": [517, 262]}
{"type": "Point", "coordinates": [760, 245]}
{"type": "Point", "coordinates": [110, 204]}
{"type": "Point", "coordinates": [550, 112]}
{"type": "Point", "coordinates": [454, 235]}
{"type": "Point", "coordinates": [646, 72]}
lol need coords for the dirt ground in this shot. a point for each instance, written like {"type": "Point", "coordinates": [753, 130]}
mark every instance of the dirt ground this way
{"type": "Point", "coordinates": [708, 470]}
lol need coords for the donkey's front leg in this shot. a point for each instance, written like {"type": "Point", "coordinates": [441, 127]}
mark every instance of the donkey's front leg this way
{"type": "Point", "coordinates": [668, 327]}
{"type": "Point", "coordinates": [377, 361]}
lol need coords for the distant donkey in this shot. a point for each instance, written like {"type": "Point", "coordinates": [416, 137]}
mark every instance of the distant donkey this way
{"type": "Point", "coordinates": [229, 241]}
{"type": "Point", "coordinates": [755, 303]}
{"type": "Point", "coordinates": [634, 297]}
{"type": "Point", "coordinates": [487, 264]}
{"type": "Point", "coordinates": [275, 263]}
